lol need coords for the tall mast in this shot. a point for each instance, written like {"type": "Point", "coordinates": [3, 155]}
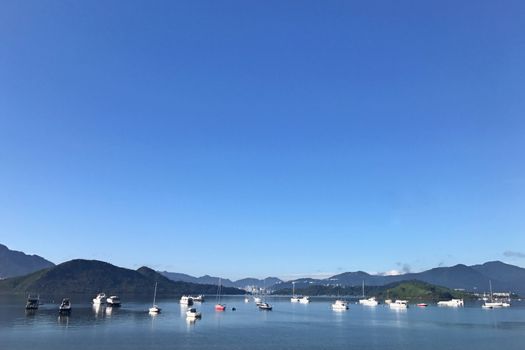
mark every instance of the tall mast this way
{"type": "Point", "coordinates": [155, 294]}
{"type": "Point", "coordinates": [363, 288]}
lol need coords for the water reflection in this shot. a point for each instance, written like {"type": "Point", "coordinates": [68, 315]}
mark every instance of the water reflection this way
{"type": "Point", "coordinates": [63, 320]}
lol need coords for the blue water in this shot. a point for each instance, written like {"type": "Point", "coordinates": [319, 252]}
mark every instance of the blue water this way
{"type": "Point", "coordinates": [287, 326]}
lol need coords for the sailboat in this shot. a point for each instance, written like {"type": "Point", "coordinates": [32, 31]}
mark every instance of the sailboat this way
{"type": "Point", "coordinates": [368, 302]}
{"type": "Point", "coordinates": [493, 304]}
{"type": "Point", "coordinates": [294, 298]}
{"type": "Point", "coordinates": [154, 309]}
{"type": "Point", "coordinates": [219, 306]}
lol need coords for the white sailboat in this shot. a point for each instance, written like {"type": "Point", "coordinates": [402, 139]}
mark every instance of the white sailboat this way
{"type": "Point", "coordinates": [367, 302]}
{"type": "Point", "coordinates": [154, 309]}
{"type": "Point", "coordinates": [294, 298]}
{"type": "Point", "coordinates": [493, 304]}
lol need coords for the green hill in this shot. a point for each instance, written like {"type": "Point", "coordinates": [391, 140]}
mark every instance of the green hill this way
{"type": "Point", "coordinates": [92, 277]}
{"type": "Point", "coordinates": [411, 290]}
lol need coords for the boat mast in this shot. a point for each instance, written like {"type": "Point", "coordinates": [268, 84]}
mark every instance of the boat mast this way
{"type": "Point", "coordinates": [490, 286]}
{"type": "Point", "coordinates": [363, 288]}
{"type": "Point", "coordinates": [155, 294]}
{"type": "Point", "coordinates": [219, 292]}
{"type": "Point", "coordinates": [293, 289]}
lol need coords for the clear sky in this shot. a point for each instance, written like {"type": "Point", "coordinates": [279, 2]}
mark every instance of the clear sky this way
{"type": "Point", "coordinates": [254, 138]}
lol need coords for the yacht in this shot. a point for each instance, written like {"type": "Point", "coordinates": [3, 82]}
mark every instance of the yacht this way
{"type": "Point", "coordinates": [32, 302]}
{"type": "Point", "coordinates": [340, 305]}
{"type": "Point", "coordinates": [264, 306]}
{"type": "Point", "coordinates": [369, 302]}
{"type": "Point", "coordinates": [294, 298]}
{"type": "Point", "coordinates": [399, 304]}
{"type": "Point", "coordinates": [193, 313]}
{"type": "Point", "coordinates": [186, 300]}
{"type": "Point", "coordinates": [218, 305]}
{"type": "Point", "coordinates": [99, 299]}
{"type": "Point", "coordinates": [304, 300]}
{"type": "Point", "coordinates": [113, 301]}
{"type": "Point", "coordinates": [65, 306]}
{"type": "Point", "coordinates": [451, 303]}
{"type": "Point", "coordinates": [494, 304]}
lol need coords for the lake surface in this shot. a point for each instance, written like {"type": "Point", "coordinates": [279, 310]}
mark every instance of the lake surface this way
{"type": "Point", "coordinates": [287, 326]}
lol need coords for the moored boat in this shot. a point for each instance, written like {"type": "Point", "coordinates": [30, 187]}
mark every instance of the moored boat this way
{"type": "Point", "coordinates": [99, 299]}
{"type": "Point", "coordinates": [32, 302]}
{"type": "Point", "coordinates": [186, 300]}
{"type": "Point", "coordinates": [65, 306]}
{"type": "Point", "coordinates": [198, 298]}
{"type": "Point", "coordinates": [369, 302]}
{"type": "Point", "coordinates": [340, 305]}
{"type": "Point", "coordinates": [264, 306]}
{"type": "Point", "coordinates": [399, 304]}
{"type": "Point", "coordinates": [218, 305]}
{"type": "Point", "coordinates": [193, 313]}
{"type": "Point", "coordinates": [154, 309]}
{"type": "Point", "coordinates": [451, 303]}
{"type": "Point", "coordinates": [304, 300]}
{"type": "Point", "coordinates": [113, 301]}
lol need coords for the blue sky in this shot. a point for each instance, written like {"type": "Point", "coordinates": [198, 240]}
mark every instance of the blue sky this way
{"type": "Point", "coordinates": [246, 138]}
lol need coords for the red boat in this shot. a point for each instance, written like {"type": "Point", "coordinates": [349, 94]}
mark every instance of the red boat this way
{"type": "Point", "coordinates": [220, 307]}
{"type": "Point", "coordinates": [422, 305]}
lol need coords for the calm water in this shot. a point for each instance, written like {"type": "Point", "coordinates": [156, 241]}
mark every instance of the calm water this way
{"type": "Point", "coordinates": [288, 326]}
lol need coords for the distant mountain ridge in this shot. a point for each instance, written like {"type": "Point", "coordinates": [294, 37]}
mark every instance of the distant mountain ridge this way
{"type": "Point", "coordinates": [206, 279]}
{"type": "Point", "coordinates": [92, 276]}
{"type": "Point", "coordinates": [474, 278]}
{"type": "Point", "coordinates": [14, 263]}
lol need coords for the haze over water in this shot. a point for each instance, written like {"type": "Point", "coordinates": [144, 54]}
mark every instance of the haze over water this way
{"type": "Point", "coordinates": [288, 326]}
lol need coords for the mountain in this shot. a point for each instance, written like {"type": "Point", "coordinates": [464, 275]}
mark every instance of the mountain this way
{"type": "Point", "coordinates": [92, 277]}
{"type": "Point", "coordinates": [14, 263]}
{"type": "Point", "coordinates": [510, 276]}
{"type": "Point", "coordinates": [474, 278]}
{"type": "Point", "coordinates": [206, 279]}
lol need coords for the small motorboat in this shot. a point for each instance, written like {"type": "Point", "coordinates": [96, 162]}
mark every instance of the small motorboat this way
{"type": "Point", "coordinates": [264, 306]}
{"type": "Point", "coordinates": [99, 299]}
{"type": "Point", "coordinates": [65, 306]}
{"type": "Point", "coordinates": [340, 305]}
{"type": "Point", "coordinates": [304, 300]}
{"type": "Point", "coordinates": [198, 298]}
{"type": "Point", "coordinates": [186, 300]}
{"type": "Point", "coordinates": [220, 307]}
{"type": "Point", "coordinates": [369, 302]}
{"type": "Point", "coordinates": [193, 313]}
{"type": "Point", "coordinates": [422, 305]}
{"type": "Point", "coordinates": [113, 301]}
{"type": "Point", "coordinates": [32, 302]}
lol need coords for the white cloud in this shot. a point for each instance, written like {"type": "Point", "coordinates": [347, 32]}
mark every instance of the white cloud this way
{"type": "Point", "coordinates": [391, 273]}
